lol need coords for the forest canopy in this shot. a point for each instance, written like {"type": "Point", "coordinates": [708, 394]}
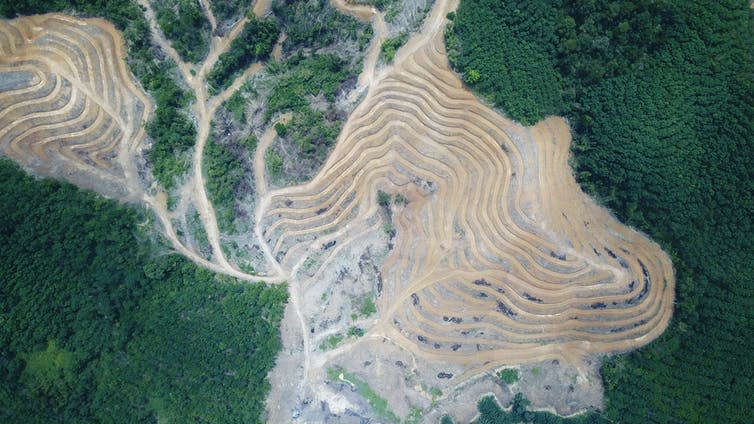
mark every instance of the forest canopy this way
{"type": "Point", "coordinates": [99, 324]}
{"type": "Point", "coordinates": [660, 98]}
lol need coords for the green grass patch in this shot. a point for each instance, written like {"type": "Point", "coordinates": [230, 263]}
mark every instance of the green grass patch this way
{"type": "Point", "coordinates": [368, 308]}
{"type": "Point", "coordinates": [378, 404]}
{"type": "Point", "coordinates": [509, 375]}
{"type": "Point", "coordinates": [274, 164]}
{"type": "Point", "coordinates": [331, 342]}
{"type": "Point", "coordinates": [355, 332]}
{"type": "Point", "coordinates": [391, 45]}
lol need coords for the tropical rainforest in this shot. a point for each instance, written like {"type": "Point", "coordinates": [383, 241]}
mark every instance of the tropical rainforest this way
{"type": "Point", "coordinates": [660, 98]}
{"type": "Point", "coordinates": [101, 324]}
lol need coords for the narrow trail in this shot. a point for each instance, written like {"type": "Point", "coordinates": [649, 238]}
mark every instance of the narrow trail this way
{"type": "Point", "coordinates": [210, 16]}
{"type": "Point", "coordinates": [499, 257]}
{"type": "Point", "coordinates": [379, 28]}
{"type": "Point", "coordinates": [204, 109]}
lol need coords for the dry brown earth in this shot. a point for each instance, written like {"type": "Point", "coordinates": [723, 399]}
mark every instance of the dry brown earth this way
{"type": "Point", "coordinates": [69, 107]}
{"type": "Point", "coordinates": [497, 257]}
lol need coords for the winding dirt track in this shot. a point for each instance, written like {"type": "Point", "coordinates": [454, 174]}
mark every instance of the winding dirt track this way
{"type": "Point", "coordinates": [500, 258]}
{"type": "Point", "coordinates": [69, 108]}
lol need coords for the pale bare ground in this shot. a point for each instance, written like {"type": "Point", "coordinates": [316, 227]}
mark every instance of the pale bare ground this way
{"type": "Point", "coordinates": [80, 116]}
{"type": "Point", "coordinates": [499, 258]}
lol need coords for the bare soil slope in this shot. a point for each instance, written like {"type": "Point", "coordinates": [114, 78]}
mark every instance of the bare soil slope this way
{"type": "Point", "coordinates": [498, 257]}
{"type": "Point", "coordinates": [69, 107]}
{"type": "Point", "coordinates": [487, 255]}
{"type": "Point", "coordinates": [497, 248]}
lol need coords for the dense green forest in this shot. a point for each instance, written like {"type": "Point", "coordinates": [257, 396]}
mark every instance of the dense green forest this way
{"type": "Point", "coordinates": [255, 43]}
{"type": "Point", "coordinates": [229, 9]}
{"type": "Point", "coordinates": [226, 179]}
{"type": "Point", "coordinates": [185, 25]}
{"type": "Point", "coordinates": [101, 325]}
{"type": "Point", "coordinates": [173, 133]}
{"type": "Point", "coordinates": [660, 96]}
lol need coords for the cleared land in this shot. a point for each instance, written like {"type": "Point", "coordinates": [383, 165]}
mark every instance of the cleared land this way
{"type": "Point", "coordinates": [69, 107]}
{"type": "Point", "coordinates": [495, 255]}
{"type": "Point", "coordinates": [499, 257]}
{"type": "Point", "coordinates": [467, 229]}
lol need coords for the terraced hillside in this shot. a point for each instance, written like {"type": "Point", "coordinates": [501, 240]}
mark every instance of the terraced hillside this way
{"type": "Point", "coordinates": [499, 257]}
{"type": "Point", "coordinates": [466, 229]}
{"type": "Point", "coordinates": [69, 107]}
{"type": "Point", "coordinates": [496, 256]}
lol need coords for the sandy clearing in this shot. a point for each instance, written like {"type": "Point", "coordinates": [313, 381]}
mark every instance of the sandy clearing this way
{"type": "Point", "coordinates": [497, 256]}
{"type": "Point", "coordinates": [85, 116]}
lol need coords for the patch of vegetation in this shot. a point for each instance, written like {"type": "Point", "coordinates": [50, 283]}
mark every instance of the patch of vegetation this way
{"type": "Point", "coordinates": [517, 77]}
{"type": "Point", "coordinates": [355, 332]}
{"type": "Point", "coordinates": [301, 77]}
{"type": "Point", "coordinates": [227, 10]}
{"type": "Point", "coordinates": [368, 308]}
{"type": "Point", "coordinates": [378, 403]}
{"type": "Point", "coordinates": [383, 199]}
{"type": "Point", "coordinates": [391, 45]}
{"type": "Point", "coordinates": [250, 143]}
{"type": "Point", "coordinates": [254, 43]}
{"type": "Point", "coordinates": [199, 233]}
{"type": "Point", "coordinates": [315, 24]}
{"type": "Point", "coordinates": [173, 133]}
{"type": "Point", "coordinates": [300, 83]}
{"type": "Point", "coordinates": [225, 174]}
{"type": "Point", "coordinates": [236, 104]}
{"type": "Point", "coordinates": [331, 342]}
{"type": "Point", "coordinates": [100, 325]}
{"type": "Point", "coordinates": [491, 413]}
{"type": "Point", "coordinates": [659, 97]}
{"type": "Point", "coordinates": [312, 132]}
{"type": "Point", "coordinates": [414, 416]}
{"type": "Point", "coordinates": [435, 392]}
{"type": "Point", "coordinates": [186, 26]}
{"type": "Point", "coordinates": [274, 164]}
{"type": "Point", "coordinates": [508, 375]}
